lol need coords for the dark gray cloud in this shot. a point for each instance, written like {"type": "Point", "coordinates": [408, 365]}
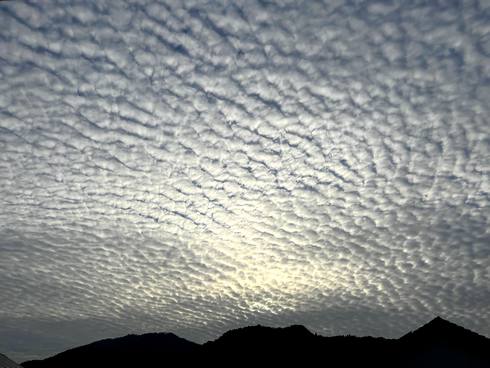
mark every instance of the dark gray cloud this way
{"type": "Point", "coordinates": [192, 167]}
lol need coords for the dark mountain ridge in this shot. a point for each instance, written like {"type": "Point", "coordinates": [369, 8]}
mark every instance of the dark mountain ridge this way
{"type": "Point", "coordinates": [446, 344]}
{"type": "Point", "coordinates": [438, 343]}
{"type": "Point", "coordinates": [127, 351]}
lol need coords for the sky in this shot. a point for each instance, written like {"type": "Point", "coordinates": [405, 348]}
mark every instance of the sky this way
{"type": "Point", "coordinates": [196, 166]}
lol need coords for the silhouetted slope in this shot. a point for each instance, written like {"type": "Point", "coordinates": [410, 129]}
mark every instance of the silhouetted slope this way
{"type": "Point", "coordinates": [260, 344]}
{"type": "Point", "coordinates": [441, 329]}
{"type": "Point", "coordinates": [437, 344]}
{"type": "Point", "coordinates": [262, 338]}
{"type": "Point", "coordinates": [443, 343]}
{"type": "Point", "coordinates": [7, 363]}
{"type": "Point", "coordinates": [146, 350]}
{"type": "Point", "coordinates": [296, 345]}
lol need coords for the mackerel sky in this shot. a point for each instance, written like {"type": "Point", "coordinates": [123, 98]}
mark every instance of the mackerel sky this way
{"type": "Point", "coordinates": [195, 166]}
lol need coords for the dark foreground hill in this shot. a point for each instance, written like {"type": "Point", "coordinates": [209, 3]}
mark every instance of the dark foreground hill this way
{"type": "Point", "coordinates": [439, 343]}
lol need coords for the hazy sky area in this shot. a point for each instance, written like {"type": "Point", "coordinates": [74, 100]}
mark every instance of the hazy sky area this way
{"type": "Point", "coordinates": [198, 166]}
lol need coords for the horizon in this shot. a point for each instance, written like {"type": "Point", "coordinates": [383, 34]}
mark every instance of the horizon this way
{"type": "Point", "coordinates": [195, 166]}
{"type": "Point", "coordinates": [431, 322]}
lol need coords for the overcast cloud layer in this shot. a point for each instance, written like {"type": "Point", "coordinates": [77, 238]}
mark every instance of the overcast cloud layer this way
{"type": "Point", "coordinates": [194, 167]}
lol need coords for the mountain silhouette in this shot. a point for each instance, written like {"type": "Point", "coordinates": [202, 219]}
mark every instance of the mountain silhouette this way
{"type": "Point", "coordinates": [128, 351]}
{"type": "Point", "coordinates": [438, 343]}
{"type": "Point", "coordinates": [295, 345]}
{"type": "Point", "coordinates": [446, 344]}
{"type": "Point", "coordinates": [441, 329]}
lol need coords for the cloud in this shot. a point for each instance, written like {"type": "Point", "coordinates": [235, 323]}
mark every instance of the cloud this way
{"type": "Point", "coordinates": [196, 167]}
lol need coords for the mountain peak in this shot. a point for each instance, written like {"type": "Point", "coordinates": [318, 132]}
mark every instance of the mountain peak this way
{"type": "Point", "coordinates": [439, 329]}
{"type": "Point", "coordinates": [262, 337]}
{"type": "Point", "coordinates": [441, 323]}
{"type": "Point", "coordinates": [259, 329]}
{"type": "Point", "coordinates": [439, 320]}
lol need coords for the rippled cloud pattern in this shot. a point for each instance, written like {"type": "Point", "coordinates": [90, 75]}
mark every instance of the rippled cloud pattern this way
{"type": "Point", "coordinates": [197, 166]}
